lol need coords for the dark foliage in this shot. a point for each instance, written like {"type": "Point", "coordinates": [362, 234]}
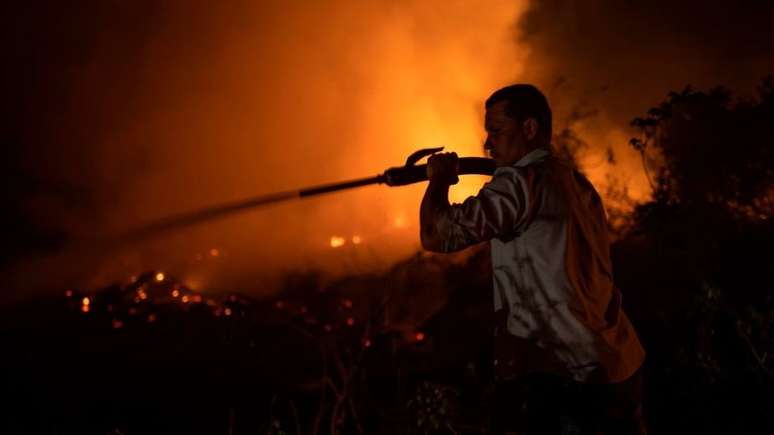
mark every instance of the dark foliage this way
{"type": "Point", "coordinates": [696, 266]}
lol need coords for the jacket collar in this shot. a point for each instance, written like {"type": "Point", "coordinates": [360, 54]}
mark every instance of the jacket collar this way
{"type": "Point", "coordinates": [534, 156]}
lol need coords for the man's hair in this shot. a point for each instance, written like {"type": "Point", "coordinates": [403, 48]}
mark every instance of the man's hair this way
{"type": "Point", "coordinates": [525, 101]}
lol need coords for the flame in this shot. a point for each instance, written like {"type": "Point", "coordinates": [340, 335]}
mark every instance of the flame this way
{"type": "Point", "coordinates": [337, 242]}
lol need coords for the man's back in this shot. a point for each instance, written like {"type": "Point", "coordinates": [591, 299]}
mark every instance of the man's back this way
{"type": "Point", "coordinates": [553, 286]}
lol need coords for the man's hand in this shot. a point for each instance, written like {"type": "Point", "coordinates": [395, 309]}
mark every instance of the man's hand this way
{"type": "Point", "coordinates": [443, 168]}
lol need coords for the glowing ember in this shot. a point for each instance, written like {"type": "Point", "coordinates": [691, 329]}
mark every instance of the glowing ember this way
{"type": "Point", "coordinates": [214, 252]}
{"type": "Point", "coordinates": [185, 299]}
{"type": "Point", "coordinates": [68, 293]}
{"type": "Point", "coordinates": [151, 318]}
{"type": "Point", "coordinates": [159, 277]}
{"type": "Point", "coordinates": [419, 336]}
{"type": "Point", "coordinates": [142, 294]}
{"type": "Point", "coordinates": [347, 303]}
{"type": "Point", "coordinates": [197, 298]}
{"type": "Point", "coordinates": [175, 293]}
{"type": "Point", "coordinates": [350, 321]}
{"type": "Point", "coordinates": [356, 240]}
{"type": "Point", "coordinates": [86, 302]}
{"type": "Point", "coordinates": [85, 308]}
{"type": "Point", "coordinates": [337, 241]}
{"type": "Point", "coordinates": [227, 311]}
{"type": "Point", "coordinates": [367, 342]}
{"type": "Point", "coordinates": [117, 323]}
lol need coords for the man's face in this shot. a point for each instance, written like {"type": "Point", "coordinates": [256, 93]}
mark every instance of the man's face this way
{"type": "Point", "coordinates": [506, 140]}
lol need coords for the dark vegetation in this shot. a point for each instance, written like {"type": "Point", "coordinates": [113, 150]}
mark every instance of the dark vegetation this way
{"type": "Point", "coordinates": [408, 352]}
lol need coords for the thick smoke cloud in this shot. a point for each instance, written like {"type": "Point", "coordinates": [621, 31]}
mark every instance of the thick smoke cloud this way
{"type": "Point", "coordinates": [116, 113]}
{"type": "Point", "coordinates": [125, 112]}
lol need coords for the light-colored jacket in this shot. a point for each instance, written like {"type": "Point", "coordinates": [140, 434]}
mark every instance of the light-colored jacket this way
{"type": "Point", "coordinates": [553, 282]}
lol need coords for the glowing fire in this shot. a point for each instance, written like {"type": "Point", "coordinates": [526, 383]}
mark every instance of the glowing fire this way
{"type": "Point", "coordinates": [337, 242]}
{"type": "Point", "coordinates": [159, 277]}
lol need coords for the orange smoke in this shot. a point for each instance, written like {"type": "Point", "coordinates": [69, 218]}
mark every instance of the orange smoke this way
{"type": "Point", "coordinates": [233, 100]}
{"type": "Point", "coordinates": [246, 99]}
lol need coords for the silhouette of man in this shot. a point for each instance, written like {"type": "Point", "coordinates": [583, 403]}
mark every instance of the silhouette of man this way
{"type": "Point", "coordinates": [567, 358]}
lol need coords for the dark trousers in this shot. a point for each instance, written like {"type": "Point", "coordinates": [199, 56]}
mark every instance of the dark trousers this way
{"type": "Point", "coordinates": [543, 404]}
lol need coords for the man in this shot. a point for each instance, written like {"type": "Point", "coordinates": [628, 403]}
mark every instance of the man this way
{"type": "Point", "coordinates": [567, 358]}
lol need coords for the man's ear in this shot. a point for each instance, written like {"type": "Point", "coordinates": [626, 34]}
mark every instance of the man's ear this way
{"type": "Point", "coordinates": [530, 128]}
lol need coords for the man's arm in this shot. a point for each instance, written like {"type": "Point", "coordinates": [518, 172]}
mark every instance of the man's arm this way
{"type": "Point", "coordinates": [500, 209]}
{"type": "Point", "coordinates": [434, 204]}
{"type": "Point", "coordinates": [442, 170]}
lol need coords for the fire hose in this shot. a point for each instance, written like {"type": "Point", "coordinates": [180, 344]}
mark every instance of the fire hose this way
{"type": "Point", "coordinates": [396, 176]}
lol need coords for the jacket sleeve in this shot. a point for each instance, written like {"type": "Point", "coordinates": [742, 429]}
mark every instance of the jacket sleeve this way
{"type": "Point", "coordinates": [500, 209]}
